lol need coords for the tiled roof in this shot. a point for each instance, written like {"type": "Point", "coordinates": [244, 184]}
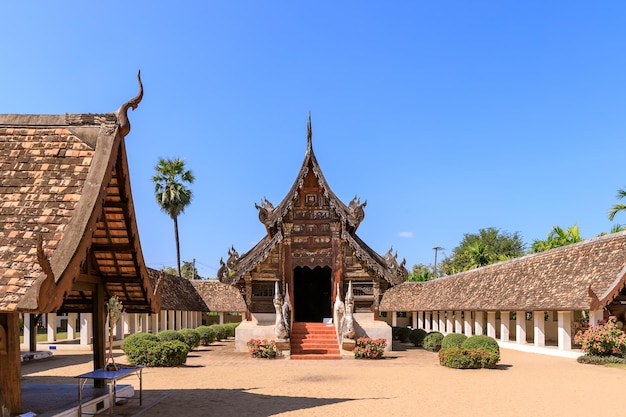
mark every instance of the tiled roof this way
{"type": "Point", "coordinates": [219, 296]}
{"type": "Point", "coordinates": [64, 183]}
{"type": "Point", "coordinates": [558, 279]}
{"type": "Point", "coordinates": [176, 293]}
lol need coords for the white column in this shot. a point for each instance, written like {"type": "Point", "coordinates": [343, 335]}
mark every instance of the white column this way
{"type": "Point", "coordinates": [145, 320]}
{"type": "Point", "coordinates": [449, 323]}
{"type": "Point", "coordinates": [394, 318]}
{"type": "Point", "coordinates": [520, 327]}
{"type": "Point", "coordinates": [565, 330]}
{"type": "Point", "coordinates": [171, 315]}
{"type": "Point", "coordinates": [119, 328]}
{"type": "Point", "coordinates": [51, 321]}
{"type": "Point", "coordinates": [428, 320]}
{"type": "Point", "coordinates": [505, 323]}
{"type": "Point", "coordinates": [86, 328]}
{"type": "Point", "coordinates": [133, 323]}
{"type": "Point", "coordinates": [162, 320]}
{"type": "Point", "coordinates": [491, 324]}
{"type": "Point", "coordinates": [27, 330]}
{"type": "Point", "coordinates": [595, 317]}
{"type": "Point", "coordinates": [420, 320]}
{"type": "Point", "coordinates": [467, 321]}
{"type": "Point", "coordinates": [414, 319]}
{"type": "Point", "coordinates": [71, 326]}
{"type": "Point", "coordinates": [442, 322]}
{"type": "Point", "coordinates": [221, 314]}
{"type": "Point", "coordinates": [478, 322]}
{"type": "Point", "coordinates": [434, 325]}
{"type": "Point", "coordinates": [179, 320]}
{"type": "Point", "coordinates": [185, 320]}
{"type": "Point", "coordinates": [539, 328]}
{"type": "Point", "coordinates": [154, 323]}
{"type": "Point", "coordinates": [458, 322]}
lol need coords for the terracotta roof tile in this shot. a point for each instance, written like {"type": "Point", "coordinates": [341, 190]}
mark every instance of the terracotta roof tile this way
{"type": "Point", "coordinates": [219, 296]}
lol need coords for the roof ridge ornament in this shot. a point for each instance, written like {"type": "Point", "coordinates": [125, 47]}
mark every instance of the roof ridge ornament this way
{"type": "Point", "coordinates": [309, 134]}
{"type": "Point", "coordinates": [122, 112]}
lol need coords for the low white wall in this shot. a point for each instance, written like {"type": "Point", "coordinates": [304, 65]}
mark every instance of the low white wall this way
{"type": "Point", "coordinates": [252, 330]}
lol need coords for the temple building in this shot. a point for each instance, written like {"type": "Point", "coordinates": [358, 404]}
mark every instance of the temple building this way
{"type": "Point", "coordinates": [309, 261]}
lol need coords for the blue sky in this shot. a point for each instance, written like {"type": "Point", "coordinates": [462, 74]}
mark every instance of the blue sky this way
{"type": "Point", "coordinates": [447, 116]}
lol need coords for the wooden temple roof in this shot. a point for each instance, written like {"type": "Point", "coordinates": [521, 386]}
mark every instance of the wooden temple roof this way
{"type": "Point", "coordinates": [350, 217]}
{"type": "Point", "coordinates": [220, 297]}
{"type": "Point", "coordinates": [67, 221]}
{"type": "Point", "coordinates": [581, 276]}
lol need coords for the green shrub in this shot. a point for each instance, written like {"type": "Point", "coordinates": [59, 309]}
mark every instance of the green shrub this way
{"type": "Point", "coordinates": [367, 348]}
{"type": "Point", "coordinates": [460, 358]}
{"type": "Point", "coordinates": [402, 334]}
{"type": "Point", "coordinates": [481, 342]}
{"type": "Point", "coordinates": [136, 337]}
{"type": "Point", "coordinates": [600, 360]}
{"type": "Point", "coordinates": [231, 328]}
{"type": "Point", "coordinates": [153, 353]}
{"type": "Point", "coordinates": [432, 341]}
{"type": "Point", "coordinates": [168, 335]}
{"type": "Point", "coordinates": [191, 338]}
{"type": "Point", "coordinates": [606, 339]}
{"type": "Point", "coordinates": [221, 332]}
{"type": "Point", "coordinates": [453, 340]}
{"type": "Point", "coordinates": [416, 336]}
{"type": "Point", "coordinates": [207, 335]}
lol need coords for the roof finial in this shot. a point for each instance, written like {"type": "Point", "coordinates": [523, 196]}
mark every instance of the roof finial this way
{"type": "Point", "coordinates": [309, 133]}
{"type": "Point", "coordinates": [122, 112]}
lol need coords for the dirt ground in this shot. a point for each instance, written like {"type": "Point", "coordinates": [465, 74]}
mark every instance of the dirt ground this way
{"type": "Point", "coordinates": [217, 381]}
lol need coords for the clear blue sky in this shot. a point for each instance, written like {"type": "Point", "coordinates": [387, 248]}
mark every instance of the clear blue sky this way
{"type": "Point", "coordinates": [446, 116]}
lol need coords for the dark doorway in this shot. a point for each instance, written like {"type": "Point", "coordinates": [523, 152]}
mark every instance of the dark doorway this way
{"type": "Point", "coordinates": [311, 293]}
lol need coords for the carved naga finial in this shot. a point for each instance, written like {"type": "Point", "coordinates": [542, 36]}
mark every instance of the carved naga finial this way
{"type": "Point", "coordinates": [122, 112]}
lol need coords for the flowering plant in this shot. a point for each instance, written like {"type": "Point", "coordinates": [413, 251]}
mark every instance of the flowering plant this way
{"type": "Point", "coordinates": [262, 348]}
{"type": "Point", "coordinates": [114, 308]}
{"type": "Point", "coordinates": [603, 340]}
{"type": "Point", "coordinates": [367, 348]}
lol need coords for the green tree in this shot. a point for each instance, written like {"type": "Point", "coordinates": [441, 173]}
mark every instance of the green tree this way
{"type": "Point", "coordinates": [420, 273]}
{"type": "Point", "coordinates": [557, 237]}
{"type": "Point", "coordinates": [488, 246]}
{"type": "Point", "coordinates": [190, 271]}
{"type": "Point", "coordinates": [171, 192]}
{"type": "Point", "coordinates": [615, 229]}
{"type": "Point", "coordinates": [618, 207]}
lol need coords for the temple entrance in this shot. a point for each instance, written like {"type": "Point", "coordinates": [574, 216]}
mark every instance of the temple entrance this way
{"type": "Point", "coordinates": [312, 292]}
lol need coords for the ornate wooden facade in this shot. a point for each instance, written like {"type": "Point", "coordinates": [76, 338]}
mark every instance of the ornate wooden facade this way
{"type": "Point", "coordinates": [311, 249]}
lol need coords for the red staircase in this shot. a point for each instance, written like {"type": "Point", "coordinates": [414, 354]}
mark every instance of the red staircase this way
{"type": "Point", "coordinates": [314, 341]}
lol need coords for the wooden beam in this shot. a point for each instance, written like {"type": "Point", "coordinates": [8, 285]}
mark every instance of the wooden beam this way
{"type": "Point", "coordinates": [10, 364]}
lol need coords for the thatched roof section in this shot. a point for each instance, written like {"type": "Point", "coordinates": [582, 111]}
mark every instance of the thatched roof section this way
{"type": "Point", "coordinates": [65, 198]}
{"type": "Point", "coordinates": [176, 293]}
{"type": "Point", "coordinates": [559, 279]}
{"type": "Point", "coordinates": [220, 297]}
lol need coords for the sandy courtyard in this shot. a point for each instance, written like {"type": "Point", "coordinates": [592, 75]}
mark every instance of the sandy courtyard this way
{"type": "Point", "coordinates": [216, 381]}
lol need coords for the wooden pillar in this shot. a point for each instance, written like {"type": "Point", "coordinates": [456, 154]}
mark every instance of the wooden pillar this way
{"type": "Point", "coordinates": [99, 319]}
{"type": "Point", "coordinates": [34, 320]}
{"type": "Point", "coordinates": [10, 365]}
{"type": "Point", "coordinates": [520, 327]}
{"type": "Point", "coordinates": [565, 330]}
{"type": "Point", "coordinates": [286, 269]}
{"type": "Point", "coordinates": [539, 329]}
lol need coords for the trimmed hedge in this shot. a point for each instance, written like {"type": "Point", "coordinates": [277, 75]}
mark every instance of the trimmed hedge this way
{"type": "Point", "coordinates": [432, 341]}
{"type": "Point", "coordinates": [154, 353]}
{"type": "Point", "coordinates": [460, 358]}
{"type": "Point", "coordinates": [208, 335]}
{"type": "Point", "coordinates": [452, 340]}
{"type": "Point", "coordinates": [600, 360]}
{"type": "Point", "coordinates": [136, 337]}
{"type": "Point", "coordinates": [168, 335]}
{"type": "Point", "coordinates": [221, 332]}
{"type": "Point", "coordinates": [400, 333]}
{"type": "Point", "coordinates": [416, 336]}
{"type": "Point", "coordinates": [191, 338]}
{"type": "Point", "coordinates": [481, 342]}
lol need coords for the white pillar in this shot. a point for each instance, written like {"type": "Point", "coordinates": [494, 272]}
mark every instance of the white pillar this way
{"type": "Point", "coordinates": [539, 329]}
{"type": "Point", "coordinates": [420, 320]}
{"type": "Point", "coordinates": [394, 318]}
{"type": "Point", "coordinates": [491, 324]}
{"type": "Point", "coordinates": [179, 319]}
{"type": "Point", "coordinates": [478, 322]}
{"type": "Point", "coordinates": [86, 328]}
{"type": "Point", "coordinates": [565, 330]}
{"type": "Point", "coordinates": [171, 315]}
{"type": "Point", "coordinates": [458, 322]}
{"type": "Point", "coordinates": [520, 327]}
{"type": "Point", "coordinates": [414, 316]}
{"type": "Point", "coordinates": [428, 321]}
{"type": "Point", "coordinates": [27, 330]}
{"type": "Point", "coordinates": [145, 320]}
{"type": "Point", "coordinates": [162, 320]}
{"type": "Point", "coordinates": [154, 323]}
{"type": "Point", "coordinates": [467, 321]}
{"type": "Point", "coordinates": [442, 322]}
{"type": "Point", "coordinates": [51, 321]}
{"type": "Point", "coordinates": [133, 323]}
{"type": "Point", "coordinates": [71, 326]}
{"type": "Point", "coordinates": [119, 328]}
{"type": "Point", "coordinates": [505, 323]}
{"type": "Point", "coordinates": [185, 320]}
{"type": "Point", "coordinates": [449, 323]}
{"type": "Point", "coordinates": [595, 317]}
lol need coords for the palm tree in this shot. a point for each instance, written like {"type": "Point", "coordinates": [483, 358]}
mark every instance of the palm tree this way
{"type": "Point", "coordinates": [557, 237]}
{"type": "Point", "coordinates": [619, 206]}
{"type": "Point", "coordinates": [171, 193]}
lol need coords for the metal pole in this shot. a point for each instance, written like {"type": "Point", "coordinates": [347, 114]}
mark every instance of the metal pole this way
{"type": "Point", "coordinates": [436, 249]}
